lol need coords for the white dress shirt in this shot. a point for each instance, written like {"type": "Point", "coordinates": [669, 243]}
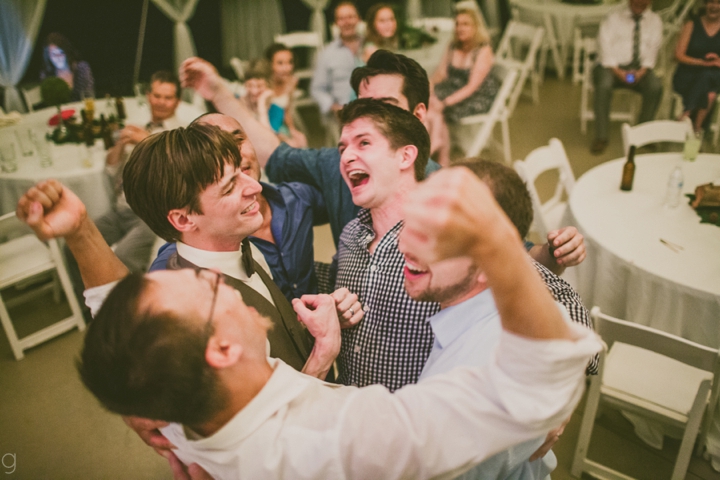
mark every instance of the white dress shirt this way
{"type": "Point", "coordinates": [615, 39]}
{"type": "Point", "coordinates": [301, 428]}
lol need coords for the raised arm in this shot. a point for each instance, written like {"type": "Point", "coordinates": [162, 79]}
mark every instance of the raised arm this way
{"type": "Point", "coordinates": [203, 77]}
{"type": "Point", "coordinates": [53, 211]}
{"type": "Point", "coordinates": [441, 223]}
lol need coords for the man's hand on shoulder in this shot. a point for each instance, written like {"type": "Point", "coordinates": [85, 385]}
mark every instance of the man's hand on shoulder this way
{"type": "Point", "coordinates": [51, 210]}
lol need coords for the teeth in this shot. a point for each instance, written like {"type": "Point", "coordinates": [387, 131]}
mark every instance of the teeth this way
{"type": "Point", "coordinates": [353, 174]}
{"type": "Point", "coordinates": [414, 269]}
{"type": "Point", "coordinates": [249, 207]}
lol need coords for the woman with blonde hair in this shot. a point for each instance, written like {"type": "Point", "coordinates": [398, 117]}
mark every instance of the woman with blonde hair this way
{"type": "Point", "coordinates": [382, 30]}
{"type": "Point", "coordinates": [462, 84]}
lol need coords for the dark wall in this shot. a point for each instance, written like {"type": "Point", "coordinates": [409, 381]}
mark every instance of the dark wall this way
{"type": "Point", "coordinates": [105, 32]}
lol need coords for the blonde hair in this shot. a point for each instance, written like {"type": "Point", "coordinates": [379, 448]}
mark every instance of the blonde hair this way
{"type": "Point", "coordinates": [481, 37]}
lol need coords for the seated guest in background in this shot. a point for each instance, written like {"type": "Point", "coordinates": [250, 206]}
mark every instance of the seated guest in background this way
{"type": "Point", "coordinates": [463, 83]}
{"type": "Point", "coordinates": [121, 227]}
{"type": "Point", "coordinates": [61, 60]}
{"type": "Point", "coordinates": [628, 44]}
{"type": "Point", "coordinates": [257, 78]}
{"type": "Point", "coordinates": [301, 427]}
{"type": "Point", "coordinates": [697, 77]}
{"type": "Point", "coordinates": [283, 84]}
{"type": "Point", "coordinates": [382, 30]}
{"type": "Point", "coordinates": [330, 86]}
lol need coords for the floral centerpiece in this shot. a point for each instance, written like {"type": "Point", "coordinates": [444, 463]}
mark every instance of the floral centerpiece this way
{"type": "Point", "coordinates": [54, 92]}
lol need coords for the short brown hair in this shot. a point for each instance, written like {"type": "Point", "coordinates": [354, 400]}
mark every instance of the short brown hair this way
{"type": "Point", "coordinates": [150, 364]}
{"type": "Point", "coordinates": [508, 188]}
{"type": "Point", "coordinates": [166, 76]}
{"type": "Point", "coordinates": [170, 169]}
{"type": "Point", "coordinates": [399, 126]}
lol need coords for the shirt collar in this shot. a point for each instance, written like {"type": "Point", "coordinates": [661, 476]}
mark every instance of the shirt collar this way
{"type": "Point", "coordinates": [452, 322]}
{"type": "Point", "coordinates": [283, 386]}
{"type": "Point", "coordinates": [227, 262]}
{"type": "Point", "coordinates": [366, 223]}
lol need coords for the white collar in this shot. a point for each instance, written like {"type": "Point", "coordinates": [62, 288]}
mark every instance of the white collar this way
{"type": "Point", "coordinates": [227, 262]}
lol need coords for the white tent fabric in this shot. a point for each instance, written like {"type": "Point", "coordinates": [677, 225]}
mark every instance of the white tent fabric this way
{"type": "Point", "coordinates": [317, 22]}
{"type": "Point", "coordinates": [250, 26]}
{"type": "Point", "coordinates": [19, 24]}
{"type": "Point", "coordinates": [180, 11]}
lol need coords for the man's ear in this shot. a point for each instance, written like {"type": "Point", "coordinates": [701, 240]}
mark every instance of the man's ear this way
{"type": "Point", "coordinates": [222, 353]}
{"type": "Point", "coordinates": [420, 111]}
{"type": "Point", "coordinates": [409, 154]}
{"type": "Point", "coordinates": [180, 219]}
{"type": "Point", "coordinates": [482, 280]}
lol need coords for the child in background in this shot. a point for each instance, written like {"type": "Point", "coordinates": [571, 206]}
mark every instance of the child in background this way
{"type": "Point", "coordinates": [282, 84]}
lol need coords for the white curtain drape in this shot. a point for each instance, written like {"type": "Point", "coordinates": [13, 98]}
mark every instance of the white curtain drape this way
{"type": "Point", "coordinates": [317, 22]}
{"type": "Point", "coordinates": [180, 11]}
{"type": "Point", "coordinates": [249, 27]}
{"type": "Point", "coordinates": [19, 24]}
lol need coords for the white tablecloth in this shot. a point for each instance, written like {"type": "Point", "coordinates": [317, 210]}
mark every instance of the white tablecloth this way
{"type": "Point", "coordinates": [88, 181]}
{"type": "Point", "coordinates": [629, 273]}
{"type": "Point", "coordinates": [564, 15]}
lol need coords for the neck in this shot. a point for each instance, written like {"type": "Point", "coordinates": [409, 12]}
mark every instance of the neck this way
{"type": "Point", "coordinates": [387, 215]}
{"type": "Point", "coordinates": [158, 120]}
{"type": "Point", "coordinates": [476, 289]}
{"type": "Point", "coordinates": [265, 232]}
{"type": "Point", "coordinates": [349, 40]}
{"type": "Point", "coordinates": [242, 384]}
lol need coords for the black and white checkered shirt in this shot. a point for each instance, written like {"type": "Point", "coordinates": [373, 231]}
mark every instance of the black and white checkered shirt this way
{"type": "Point", "coordinates": [393, 341]}
{"type": "Point", "coordinates": [569, 298]}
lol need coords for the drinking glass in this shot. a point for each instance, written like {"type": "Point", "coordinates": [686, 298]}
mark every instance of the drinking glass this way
{"type": "Point", "coordinates": [43, 150]}
{"type": "Point", "coordinates": [693, 141]}
{"type": "Point", "coordinates": [8, 163]}
{"type": "Point", "coordinates": [24, 141]}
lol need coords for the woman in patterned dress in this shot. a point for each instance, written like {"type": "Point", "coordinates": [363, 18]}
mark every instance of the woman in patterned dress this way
{"type": "Point", "coordinates": [462, 84]}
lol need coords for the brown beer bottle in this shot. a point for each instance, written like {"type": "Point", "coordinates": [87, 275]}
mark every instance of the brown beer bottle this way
{"type": "Point", "coordinates": [628, 171]}
{"type": "Point", "coordinates": [106, 133]}
{"type": "Point", "coordinates": [120, 107]}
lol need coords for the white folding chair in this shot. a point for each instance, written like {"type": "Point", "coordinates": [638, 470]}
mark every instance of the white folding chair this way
{"type": "Point", "coordinates": [623, 96]}
{"type": "Point", "coordinates": [655, 375]}
{"type": "Point", "coordinates": [239, 67]}
{"type": "Point", "coordinates": [32, 97]}
{"type": "Point", "coordinates": [585, 27]}
{"type": "Point", "coordinates": [309, 41]}
{"type": "Point", "coordinates": [532, 15]}
{"type": "Point", "coordinates": [24, 257]}
{"type": "Point", "coordinates": [498, 113]}
{"type": "Point", "coordinates": [518, 38]}
{"type": "Point", "coordinates": [655, 132]}
{"type": "Point", "coordinates": [548, 215]}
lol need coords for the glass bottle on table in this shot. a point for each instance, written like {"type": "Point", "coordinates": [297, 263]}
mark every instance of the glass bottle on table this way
{"type": "Point", "coordinates": [106, 133]}
{"type": "Point", "coordinates": [120, 107]}
{"type": "Point", "coordinates": [628, 174]}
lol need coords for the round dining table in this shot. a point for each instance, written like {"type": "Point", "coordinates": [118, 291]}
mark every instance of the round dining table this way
{"type": "Point", "coordinates": [649, 263]}
{"type": "Point", "coordinates": [78, 167]}
{"type": "Point", "coordinates": [565, 16]}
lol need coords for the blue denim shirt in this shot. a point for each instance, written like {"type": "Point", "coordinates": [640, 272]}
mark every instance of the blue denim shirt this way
{"type": "Point", "coordinates": [331, 78]}
{"type": "Point", "coordinates": [296, 208]}
{"type": "Point", "coordinates": [320, 168]}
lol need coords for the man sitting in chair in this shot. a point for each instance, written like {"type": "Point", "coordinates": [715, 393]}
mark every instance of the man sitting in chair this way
{"type": "Point", "coordinates": [628, 45]}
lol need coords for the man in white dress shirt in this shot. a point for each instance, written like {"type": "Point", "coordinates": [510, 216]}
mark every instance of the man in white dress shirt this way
{"type": "Point", "coordinates": [628, 45]}
{"type": "Point", "coordinates": [183, 347]}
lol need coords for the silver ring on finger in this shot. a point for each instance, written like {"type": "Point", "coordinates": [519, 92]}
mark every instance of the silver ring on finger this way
{"type": "Point", "coordinates": [352, 312]}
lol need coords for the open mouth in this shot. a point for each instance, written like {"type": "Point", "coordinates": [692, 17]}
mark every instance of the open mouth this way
{"type": "Point", "coordinates": [358, 177]}
{"type": "Point", "coordinates": [249, 208]}
{"type": "Point", "coordinates": [412, 271]}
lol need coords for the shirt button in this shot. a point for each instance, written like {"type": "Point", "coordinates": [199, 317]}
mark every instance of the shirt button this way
{"type": "Point", "coordinates": [373, 268]}
{"type": "Point", "coordinates": [357, 349]}
{"type": "Point", "coordinates": [368, 238]}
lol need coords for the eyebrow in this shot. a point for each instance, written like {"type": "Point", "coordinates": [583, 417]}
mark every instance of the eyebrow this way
{"type": "Point", "coordinates": [225, 184]}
